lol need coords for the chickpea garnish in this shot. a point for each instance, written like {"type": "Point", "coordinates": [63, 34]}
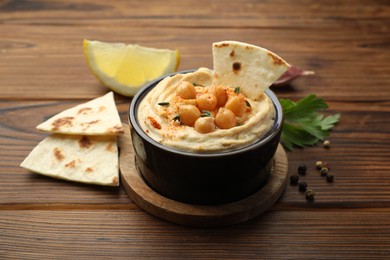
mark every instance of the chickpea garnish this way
{"type": "Point", "coordinates": [206, 101]}
{"type": "Point", "coordinates": [225, 119]}
{"type": "Point", "coordinates": [188, 114]}
{"type": "Point", "coordinates": [227, 106]}
{"type": "Point", "coordinates": [186, 90]}
{"type": "Point", "coordinates": [220, 93]}
{"type": "Point", "coordinates": [237, 105]}
{"type": "Point", "coordinates": [205, 125]}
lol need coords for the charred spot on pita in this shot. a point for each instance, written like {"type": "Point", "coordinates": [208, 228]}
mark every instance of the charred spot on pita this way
{"type": "Point", "coordinates": [115, 180]}
{"type": "Point", "coordinates": [84, 110]}
{"type": "Point", "coordinates": [236, 66]}
{"type": "Point", "coordinates": [63, 121]}
{"type": "Point", "coordinates": [84, 142]}
{"type": "Point", "coordinates": [276, 60]}
{"type": "Point", "coordinates": [88, 170]}
{"type": "Point", "coordinates": [221, 45]}
{"type": "Point", "coordinates": [110, 147]}
{"type": "Point", "coordinates": [90, 122]}
{"type": "Point", "coordinates": [71, 164]}
{"type": "Point", "coordinates": [115, 129]}
{"type": "Point", "coordinates": [231, 54]}
{"type": "Point", "coordinates": [58, 154]}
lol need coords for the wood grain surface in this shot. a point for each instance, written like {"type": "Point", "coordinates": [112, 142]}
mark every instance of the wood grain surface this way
{"type": "Point", "coordinates": [43, 71]}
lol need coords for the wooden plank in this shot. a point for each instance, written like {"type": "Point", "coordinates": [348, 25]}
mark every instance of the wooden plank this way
{"type": "Point", "coordinates": [199, 13]}
{"type": "Point", "coordinates": [52, 64]}
{"type": "Point", "coordinates": [100, 234]}
{"type": "Point", "coordinates": [32, 191]}
{"type": "Point", "coordinates": [39, 63]}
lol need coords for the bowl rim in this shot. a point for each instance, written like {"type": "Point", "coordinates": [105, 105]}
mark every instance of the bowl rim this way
{"type": "Point", "coordinates": [132, 117]}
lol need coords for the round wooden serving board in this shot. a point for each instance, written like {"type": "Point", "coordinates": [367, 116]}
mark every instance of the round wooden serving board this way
{"type": "Point", "coordinates": [199, 215]}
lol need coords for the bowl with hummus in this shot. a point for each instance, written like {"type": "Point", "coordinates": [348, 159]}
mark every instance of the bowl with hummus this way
{"type": "Point", "coordinates": [209, 136]}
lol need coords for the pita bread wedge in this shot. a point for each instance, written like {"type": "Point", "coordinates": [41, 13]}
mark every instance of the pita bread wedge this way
{"type": "Point", "coordinates": [87, 159]}
{"type": "Point", "coordinates": [249, 67]}
{"type": "Point", "coordinates": [96, 117]}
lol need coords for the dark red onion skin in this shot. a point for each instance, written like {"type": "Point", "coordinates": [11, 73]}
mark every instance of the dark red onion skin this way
{"type": "Point", "coordinates": [291, 74]}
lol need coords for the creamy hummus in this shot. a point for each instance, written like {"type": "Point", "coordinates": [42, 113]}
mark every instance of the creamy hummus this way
{"type": "Point", "coordinates": [156, 118]}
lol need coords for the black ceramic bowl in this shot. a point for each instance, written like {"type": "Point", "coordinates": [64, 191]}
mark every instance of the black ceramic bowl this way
{"type": "Point", "coordinates": [199, 178]}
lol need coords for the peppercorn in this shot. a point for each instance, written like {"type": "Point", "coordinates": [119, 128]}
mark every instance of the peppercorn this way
{"type": "Point", "coordinates": [294, 179]}
{"type": "Point", "coordinates": [319, 165]}
{"type": "Point", "coordinates": [302, 186]}
{"type": "Point", "coordinates": [324, 171]}
{"type": "Point", "coordinates": [326, 143]}
{"type": "Point", "coordinates": [329, 178]}
{"type": "Point", "coordinates": [302, 169]}
{"type": "Point", "coordinates": [309, 194]}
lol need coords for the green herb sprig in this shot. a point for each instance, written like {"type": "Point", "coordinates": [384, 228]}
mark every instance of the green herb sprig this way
{"type": "Point", "coordinates": [206, 113]}
{"type": "Point", "coordinates": [176, 118]}
{"type": "Point", "coordinates": [304, 125]}
{"type": "Point", "coordinates": [163, 104]}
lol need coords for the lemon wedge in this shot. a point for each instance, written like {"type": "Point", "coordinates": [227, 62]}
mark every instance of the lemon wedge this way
{"type": "Point", "coordinates": [126, 68]}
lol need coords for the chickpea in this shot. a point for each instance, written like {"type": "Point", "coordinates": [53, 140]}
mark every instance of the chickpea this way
{"type": "Point", "coordinates": [225, 119]}
{"type": "Point", "coordinates": [206, 101]}
{"type": "Point", "coordinates": [205, 125]}
{"type": "Point", "coordinates": [188, 114]}
{"type": "Point", "coordinates": [186, 90]}
{"type": "Point", "coordinates": [237, 105]}
{"type": "Point", "coordinates": [220, 93]}
{"type": "Point", "coordinates": [189, 102]}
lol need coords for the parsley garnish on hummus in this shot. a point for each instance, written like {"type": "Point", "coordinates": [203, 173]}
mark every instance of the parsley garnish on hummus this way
{"type": "Point", "coordinates": [303, 124]}
{"type": "Point", "coordinates": [163, 104]}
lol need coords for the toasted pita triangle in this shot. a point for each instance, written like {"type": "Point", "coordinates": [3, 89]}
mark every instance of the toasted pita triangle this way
{"type": "Point", "coordinates": [249, 67]}
{"type": "Point", "coordinates": [96, 117]}
{"type": "Point", "coordinates": [87, 159]}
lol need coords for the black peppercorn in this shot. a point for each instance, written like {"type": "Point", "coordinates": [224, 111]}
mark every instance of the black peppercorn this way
{"type": "Point", "coordinates": [302, 169]}
{"type": "Point", "coordinates": [309, 194]}
{"type": "Point", "coordinates": [302, 186]}
{"type": "Point", "coordinates": [324, 171]}
{"type": "Point", "coordinates": [329, 178]}
{"type": "Point", "coordinates": [294, 179]}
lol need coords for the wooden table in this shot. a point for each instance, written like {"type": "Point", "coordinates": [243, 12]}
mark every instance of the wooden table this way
{"type": "Point", "coordinates": [43, 71]}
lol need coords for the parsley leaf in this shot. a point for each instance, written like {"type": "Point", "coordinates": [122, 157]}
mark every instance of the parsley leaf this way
{"type": "Point", "coordinates": [206, 113]}
{"type": "Point", "coordinates": [303, 124]}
